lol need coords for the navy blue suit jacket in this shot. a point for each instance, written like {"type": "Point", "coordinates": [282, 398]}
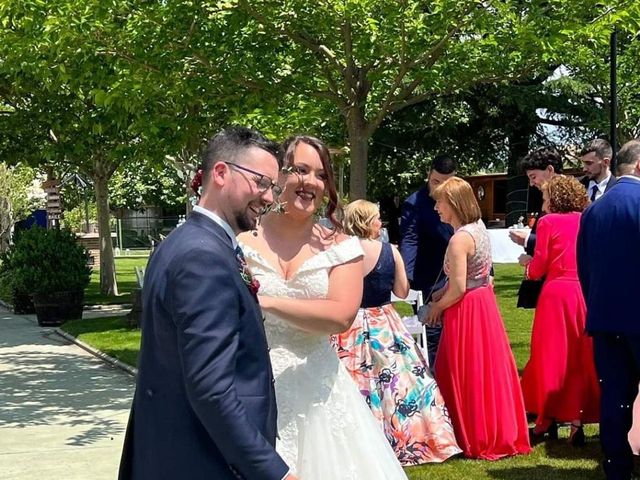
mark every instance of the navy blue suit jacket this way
{"type": "Point", "coordinates": [204, 406]}
{"type": "Point", "coordinates": [608, 263]}
{"type": "Point", "coordinates": [585, 181]}
{"type": "Point", "coordinates": [424, 240]}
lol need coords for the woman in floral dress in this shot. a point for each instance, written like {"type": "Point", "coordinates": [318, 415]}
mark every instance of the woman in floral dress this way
{"type": "Point", "coordinates": [382, 357]}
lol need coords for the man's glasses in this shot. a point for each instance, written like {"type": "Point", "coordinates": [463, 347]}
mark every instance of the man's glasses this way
{"type": "Point", "coordinates": [263, 182]}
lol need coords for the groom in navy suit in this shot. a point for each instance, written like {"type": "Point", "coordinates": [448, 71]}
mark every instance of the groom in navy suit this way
{"type": "Point", "coordinates": [204, 406]}
{"type": "Point", "coordinates": [608, 267]}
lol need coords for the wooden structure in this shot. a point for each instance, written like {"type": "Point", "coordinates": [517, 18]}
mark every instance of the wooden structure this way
{"type": "Point", "coordinates": [91, 241]}
{"type": "Point", "coordinates": [492, 192]}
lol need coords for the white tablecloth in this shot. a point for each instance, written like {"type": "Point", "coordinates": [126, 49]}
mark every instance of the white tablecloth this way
{"type": "Point", "coordinates": [503, 250]}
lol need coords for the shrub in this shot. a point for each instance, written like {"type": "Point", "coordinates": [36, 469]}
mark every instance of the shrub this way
{"type": "Point", "coordinates": [10, 290]}
{"type": "Point", "coordinates": [45, 261]}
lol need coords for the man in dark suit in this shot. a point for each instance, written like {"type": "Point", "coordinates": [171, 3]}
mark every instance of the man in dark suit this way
{"type": "Point", "coordinates": [424, 239]}
{"type": "Point", "coordinates": [540, 166]}
{"type": "Point", "coordinates": [204, 406]}
{"type": "Point", "coordinates": [596, 162]}
{"type": "Point", "coordinates": [608, 267]}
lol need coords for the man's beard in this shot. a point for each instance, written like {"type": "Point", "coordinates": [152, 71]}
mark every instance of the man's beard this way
{"type": "Point", "coordinates": [244, 221]}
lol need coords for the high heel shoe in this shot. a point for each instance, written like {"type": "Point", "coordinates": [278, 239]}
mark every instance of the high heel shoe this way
{"type": "Point", "coordinates": [576, 437]}
{"type": "Point", "coordinates": [551, 433]}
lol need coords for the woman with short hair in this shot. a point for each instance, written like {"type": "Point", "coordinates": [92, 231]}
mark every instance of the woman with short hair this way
{"type": "Point", "coordinates": [475, 369]}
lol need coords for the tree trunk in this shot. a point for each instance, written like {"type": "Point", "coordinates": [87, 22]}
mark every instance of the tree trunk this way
{"type": "Point", "coordinates": [359, 151]}
{"type": "Point", "coordinates": [188, 206]}
{"type": "Point", "coordinates": [101, 175]}
{"type": "Point", "coordinates": [6, 222]}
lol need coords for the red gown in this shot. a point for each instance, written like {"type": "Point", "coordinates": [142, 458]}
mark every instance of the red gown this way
{"type": "Point", "coordinates": [475, 368]}
{"type": "Point", "coordinates": [559, 380]}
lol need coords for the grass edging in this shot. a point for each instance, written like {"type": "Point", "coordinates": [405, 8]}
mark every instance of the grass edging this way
{"type": "Point", "coordinates": [98, 353]}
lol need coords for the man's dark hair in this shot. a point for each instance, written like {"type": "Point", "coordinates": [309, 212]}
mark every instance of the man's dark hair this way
{"type": "Point", "coordinates": [444, 164]}
{"type": "Point", "coordinates": [541, 158]}
{"type": "Point", "coordinates": [629, 154]}
{"type": "Point", "coordinates": [600, 146]}
{"type": "Point", "coordinates": [230, 144]}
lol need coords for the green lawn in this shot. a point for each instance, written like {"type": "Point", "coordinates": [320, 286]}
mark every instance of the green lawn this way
{"type": "Point", "coordinates": [125, 276]}
{"type": "Point", "coordinates": [551, 460]}
{"type": "Point", "coordinates": [110, 335]}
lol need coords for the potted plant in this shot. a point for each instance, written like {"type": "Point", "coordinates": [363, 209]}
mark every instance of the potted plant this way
{"type": "Point", "coordinates": [53, 267]}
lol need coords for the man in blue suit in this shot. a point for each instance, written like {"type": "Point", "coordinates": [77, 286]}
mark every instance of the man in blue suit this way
{"type": "Point", "coordinates": [204, 406]}
{"type": "Point", "coordinates": [608, 267]}
{"type": "Point", "coordinates": [424, 239]}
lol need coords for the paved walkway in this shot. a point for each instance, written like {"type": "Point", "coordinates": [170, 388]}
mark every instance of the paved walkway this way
{"type": "Point", "coordinates": [63, 412]}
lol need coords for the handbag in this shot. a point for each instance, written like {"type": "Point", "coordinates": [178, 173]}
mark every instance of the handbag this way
{"type": "Point", "coordinates": [529, 292]}
{"type": "Point", "coordinates": [423, 310]}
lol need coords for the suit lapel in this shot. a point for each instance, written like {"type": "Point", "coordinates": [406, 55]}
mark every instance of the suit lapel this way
{"type": "Point", "coordinates": [211, 227]}
{"type": "Point", "coordinates": [202, 221]}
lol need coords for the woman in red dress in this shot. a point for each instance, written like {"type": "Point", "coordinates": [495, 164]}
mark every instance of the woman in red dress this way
{"type": "Point", "coordinates": [559, 381]}
{"type": "Point", "coordinates": [474, 367]}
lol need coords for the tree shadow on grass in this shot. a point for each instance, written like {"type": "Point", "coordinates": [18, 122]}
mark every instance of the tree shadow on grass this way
{"type": "Point", "coordinates": [560, 449]}
{"type": "Point", "coordinates": [546, 472]}
{"type": "Point", "coordinates": [96, 325]}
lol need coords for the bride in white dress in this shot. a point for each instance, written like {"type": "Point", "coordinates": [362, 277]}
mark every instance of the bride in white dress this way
{"type": "Point", "coordinates": [311, 287]}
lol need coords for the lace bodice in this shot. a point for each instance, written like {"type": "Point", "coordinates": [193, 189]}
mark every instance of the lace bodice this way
{"type": "Point", "coordinates": [310, 281]}
{"type": "Point", "coordinates": [479, 264]}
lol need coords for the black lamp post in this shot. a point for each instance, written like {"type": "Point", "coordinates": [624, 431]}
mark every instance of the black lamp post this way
{"type": "Point", "coordinates": [613, 92]}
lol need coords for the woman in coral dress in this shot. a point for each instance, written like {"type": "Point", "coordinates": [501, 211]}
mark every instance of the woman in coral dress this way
{"type": "Point", "coordinates": [382, 357]}
{"type": "Point", "coordinates": [559, 381]}
{"type": "Point", "coordinates": [475, 369]}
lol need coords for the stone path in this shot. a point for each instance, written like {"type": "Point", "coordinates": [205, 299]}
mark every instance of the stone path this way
{"type": "Point", "coordinates": [63, 413]}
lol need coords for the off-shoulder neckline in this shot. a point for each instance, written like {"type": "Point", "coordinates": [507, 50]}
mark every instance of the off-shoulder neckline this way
{"type": "Point", "coordinates": [250, 251]}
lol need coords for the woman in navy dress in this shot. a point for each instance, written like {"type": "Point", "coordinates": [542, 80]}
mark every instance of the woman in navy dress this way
{"type": "Point", "coordinates": [382, 357]}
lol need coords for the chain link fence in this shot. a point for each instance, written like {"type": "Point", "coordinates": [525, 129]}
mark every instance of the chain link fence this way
{"type": "Point", "coordinates": [143, 232]}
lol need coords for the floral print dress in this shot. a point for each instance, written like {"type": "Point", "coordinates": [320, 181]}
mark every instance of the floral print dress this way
{"type": "Point", "coordinates": [391, 373]}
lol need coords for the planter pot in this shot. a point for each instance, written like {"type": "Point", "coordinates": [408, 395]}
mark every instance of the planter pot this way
{"type": "Point", "coordinates": [55, 308]}
{"type": "Point", "coordinates": [22, 303]}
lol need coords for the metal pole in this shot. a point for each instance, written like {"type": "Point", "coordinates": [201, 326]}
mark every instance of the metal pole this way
{"type": "Point", "coordinates": [119, 230]}
{"type": "Point", "coordinates": [613, 92]}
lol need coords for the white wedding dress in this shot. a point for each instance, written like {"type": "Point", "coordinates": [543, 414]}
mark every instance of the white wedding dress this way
{"type": "Point", "coordinates": [325, 428]}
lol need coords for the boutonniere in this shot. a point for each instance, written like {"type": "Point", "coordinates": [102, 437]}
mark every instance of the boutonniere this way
{"type": "Point", "coordinates": [249, 280]}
